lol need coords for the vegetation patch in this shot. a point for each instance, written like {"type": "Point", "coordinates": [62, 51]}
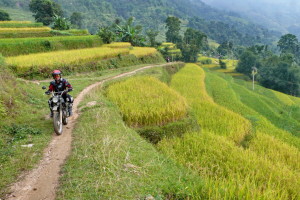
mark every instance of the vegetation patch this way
{"type": "Point", "coordinates": [20, 46]}
{"type": "Point", "coordinates": [150, 102]}
{"type": "Point", "coordinates": [19, 24]}
{"type": "Point", "coordinates": [118, 45]}
{"type": "Point", "coordinates": [27, 64]}
{"type": "Point", "coordinates": [142, 51]}
{"type": "Point", "coordinates": [24, 30]}
{"type": "Point", "coordinates": [78, 31]}
{"type": "Point", "coordinates": [19, 132]}
{"type": "Point", "coordinates": [154, 134]}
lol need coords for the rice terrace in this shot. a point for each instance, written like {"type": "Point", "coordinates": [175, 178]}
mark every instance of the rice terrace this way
{"type": "Point", "coordinates": [163, 110]}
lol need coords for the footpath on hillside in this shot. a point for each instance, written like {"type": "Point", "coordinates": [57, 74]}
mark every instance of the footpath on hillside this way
{"type": "Point", "coordinates": [42, 181]}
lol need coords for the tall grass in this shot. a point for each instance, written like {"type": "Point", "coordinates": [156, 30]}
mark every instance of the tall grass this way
{"type": "Point", "coordinates": [150, 102]}
{"type": "Point", "coordinates": [111, 161]}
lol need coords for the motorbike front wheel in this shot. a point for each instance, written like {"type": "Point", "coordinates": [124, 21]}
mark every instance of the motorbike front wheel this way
{"type": "Point", "coordinates": [65, 117]}
{"type": "Point", "coordinates": [57, 122]}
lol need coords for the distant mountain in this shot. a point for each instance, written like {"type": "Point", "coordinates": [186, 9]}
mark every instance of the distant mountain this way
{"type": "Point", "coordinates": [153, 13]}
{"type": "Point", "coordinates": [279, 15]}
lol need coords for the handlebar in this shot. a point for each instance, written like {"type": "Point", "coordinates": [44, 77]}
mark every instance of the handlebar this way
{"type": "Point", "coordinates": [60, 92]}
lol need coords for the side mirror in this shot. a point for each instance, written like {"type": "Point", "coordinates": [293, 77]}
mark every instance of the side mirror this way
{"type": "Point", "coordinates": [44, 87]}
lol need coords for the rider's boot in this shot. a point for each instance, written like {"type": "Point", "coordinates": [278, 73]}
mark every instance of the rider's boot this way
{"type": "Point", "coordinates": [51, 111]}
{"type": "Point", "coordinates": [70, 110]}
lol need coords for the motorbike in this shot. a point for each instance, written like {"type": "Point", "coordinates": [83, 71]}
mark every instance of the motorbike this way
{"type": "Point", "coordinates": [60, 111]}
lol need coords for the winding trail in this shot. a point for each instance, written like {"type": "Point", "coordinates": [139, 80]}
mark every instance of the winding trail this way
{"type": "Point", "coordinates": [41, 182]}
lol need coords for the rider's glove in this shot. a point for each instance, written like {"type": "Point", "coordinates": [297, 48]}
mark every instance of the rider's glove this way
{"type": "Point", "coordinates": [70, 89]}
{"type": "Point", "coordinates": [47, 92]}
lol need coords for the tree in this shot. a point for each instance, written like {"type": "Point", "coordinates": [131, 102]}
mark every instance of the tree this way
{"type": "Point", "coordinates": [222, 64]}
{"type": "Point", "coordinates": [226, 48]}
{"type": "Point", "coordinates": [288, 43]}
{"type": "Point", "coordinates": [280, 74]}
{"type": "Point", "coordinates": [173, 26]}
{"type": "Point", "coordinates": [106, 34]}
{"type": "Point", "coordinates": [129, 33]}
{"type": "Point", "coordinates": [189, 52]}
{"type": "Point", "coordinates": [152, 35]}
{"type": "Point", "coordinates": [195, 37]}
{"type": "Point", "coordinates": [193, 42]}
{"type": "Point", "coordinates": [61, 23]}
{"type": "Point", "coordinates": [45, 10]}
{"type": "Point", "coordinates": [4, 16]}
{"type": "Point", "coordinates": [77, 19]}
{"type": "Point", "coordinates": [247, 60]}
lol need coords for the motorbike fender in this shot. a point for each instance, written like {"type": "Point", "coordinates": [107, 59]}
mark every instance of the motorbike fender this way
{"type": "Point", "coordinates": [55, 108]}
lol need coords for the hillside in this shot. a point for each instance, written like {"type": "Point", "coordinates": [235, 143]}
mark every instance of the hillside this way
{"type": "Point", "coordinates": [250, 152]}
{"type": "Point", "coordinates": [152, 15]}
{"type": "Point", "coordinates": [142, 128]}
{"type": "Point", "coordinates": [280, 15]}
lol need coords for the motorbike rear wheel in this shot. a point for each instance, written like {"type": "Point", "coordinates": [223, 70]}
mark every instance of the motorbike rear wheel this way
{"type": "Point", "coordinates": [57, 122]}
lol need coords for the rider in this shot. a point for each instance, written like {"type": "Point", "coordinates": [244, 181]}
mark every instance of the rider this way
{"type": "Point", "coordinates": [60, 84]}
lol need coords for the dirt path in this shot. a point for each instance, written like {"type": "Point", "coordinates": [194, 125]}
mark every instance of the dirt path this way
{"type": "Point", "coordinates": [41, 182]}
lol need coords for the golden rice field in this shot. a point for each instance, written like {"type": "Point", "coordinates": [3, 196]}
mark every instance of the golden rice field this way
{"type": "Point", "coordinates": [169, 44]}
{"type": "Point", "coordinates": [143, 51]}
{"type": "Point", "coordinates": [231, 172]}
{"type": "Point", "coordinates": [15, 22]}
{"type": "Point", "coordinates": [149, 102]}
{"type": "Point", "coordinates": [268, 141]}
{"type": "Point", "coordinates": [118, 45]}
{"type": "Point", "coordinates": [65, 57]}
{"type": "Point", "coordinates": [267, 166]}
{"type": "Point", "coordinates": [220, 120]}
{"type": "Point", "coordinates": [214, 60]}
{"type": "Point", "coordinates": [25, 30]}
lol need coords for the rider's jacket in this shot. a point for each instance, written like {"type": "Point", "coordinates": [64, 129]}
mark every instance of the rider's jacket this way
{"type": "Point", "coordinates": [60, 86]}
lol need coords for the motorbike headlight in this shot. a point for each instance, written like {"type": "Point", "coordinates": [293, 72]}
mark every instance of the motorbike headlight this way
{"type": "Point", "coordinates": [55, 99]}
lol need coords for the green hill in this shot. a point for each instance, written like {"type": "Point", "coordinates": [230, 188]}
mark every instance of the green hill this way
{"type": "Point", "coordinates": [152, 15]}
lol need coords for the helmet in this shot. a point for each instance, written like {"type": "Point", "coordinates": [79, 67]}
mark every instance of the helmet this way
{"type": "Point", "coordinates": [56, 72]}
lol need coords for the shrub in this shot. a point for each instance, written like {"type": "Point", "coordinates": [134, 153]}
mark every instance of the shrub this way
{"type": "Point", "coordinates": [206, 61]}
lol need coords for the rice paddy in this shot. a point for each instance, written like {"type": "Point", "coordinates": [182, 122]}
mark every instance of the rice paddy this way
{"type": "Point", "coordinates": [22, 46]}
{"type": "Point", "coordinates": [142, 51]}
{"type": "Point", "coordinates": [24, 30]}
{"type": "Point", "coordinates": [149, 102]}
{"type": "Point", "coordinates": [58, 58]}
{"type": "Point", "coordinates": [265, 165]}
